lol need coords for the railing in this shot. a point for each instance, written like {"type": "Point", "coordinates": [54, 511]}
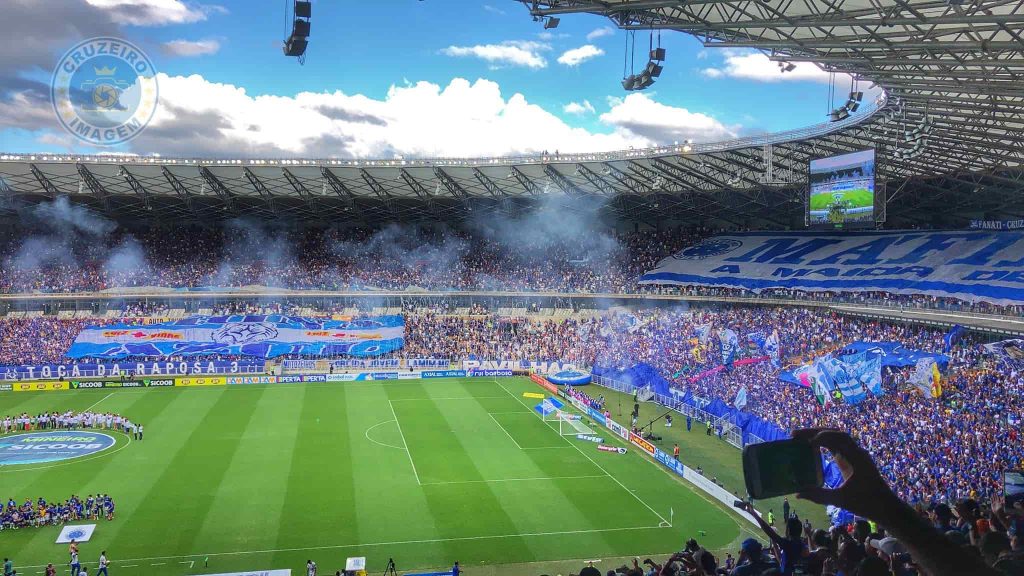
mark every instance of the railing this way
{"type": "Point", "coordinates": [728, 431]}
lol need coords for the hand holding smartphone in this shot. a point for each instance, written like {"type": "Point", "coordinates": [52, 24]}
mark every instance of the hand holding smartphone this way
{"type": "Point", "coordinates": [781, 467]}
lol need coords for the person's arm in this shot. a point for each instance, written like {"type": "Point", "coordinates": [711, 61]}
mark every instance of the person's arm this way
{"type": "Point", "coordinates": [865, 493]}
{"type": "Point", "coordinates": [765, 527]}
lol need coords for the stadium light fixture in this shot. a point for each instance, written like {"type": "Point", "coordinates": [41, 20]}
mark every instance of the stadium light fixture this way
{"type": "Point", "coordinates": [295, 45]}
{"type": "Point", "coordinates": [551, 22]}
{"type": "Point", "coordinates": [651, 71]}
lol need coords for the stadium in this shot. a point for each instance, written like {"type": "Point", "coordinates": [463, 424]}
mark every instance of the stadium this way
{"type": "Point", "coordinates": [363, 354]}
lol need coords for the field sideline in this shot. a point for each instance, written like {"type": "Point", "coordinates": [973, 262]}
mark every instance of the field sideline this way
{"type": "Point", "coordinates": [425, 471]}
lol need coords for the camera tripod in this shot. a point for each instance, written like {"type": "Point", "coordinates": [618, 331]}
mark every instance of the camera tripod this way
{"type": "Point", "coordinates": [390, 570]}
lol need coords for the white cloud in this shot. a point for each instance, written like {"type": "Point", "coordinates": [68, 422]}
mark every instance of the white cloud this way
{"type": "Point", "coordinates": [190, 48]}
{"type": "Point", "coordinates": [494, 10]}
{"type": "Point", "coordinates": [757, 67]}
{"type": "Point", "coordinates": [600, 33]}
{"type": "Point", "coordinates": [579, 108]}
{"type": "Point", "coordinates": [155, 12]}
{"type": "Point", "coordinates": [513, 53]}
{"type": "Point", "coordinates": [197, 117]}
{"type": "Point", "coordinates": [577, 56]}
{"type": "Point", "coordinates": [641, 115]}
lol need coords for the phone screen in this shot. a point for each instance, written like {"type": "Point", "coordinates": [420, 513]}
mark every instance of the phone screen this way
{"type": "Point", "coordinates": [782, 467]}
{"type": "Point", "coordinates": [1013, 486]}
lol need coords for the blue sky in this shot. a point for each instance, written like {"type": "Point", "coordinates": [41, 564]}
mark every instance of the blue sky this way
{"type": "Point", "coordinates": [397, 78]}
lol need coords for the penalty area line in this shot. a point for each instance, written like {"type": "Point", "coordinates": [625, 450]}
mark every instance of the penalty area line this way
{"type": "Point", "coordinates": [632, 493]}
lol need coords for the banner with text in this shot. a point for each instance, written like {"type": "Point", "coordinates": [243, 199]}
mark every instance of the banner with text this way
{"type": "Point", "coordinates": [969, 265]}
{"type": "Point", "coordinates": [118, 369]}
{"type": "Point", "coordinates": [261, 336]}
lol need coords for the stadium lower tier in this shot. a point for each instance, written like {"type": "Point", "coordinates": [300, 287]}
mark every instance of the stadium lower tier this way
{"type": "Point", "coordinates": [423, 471]}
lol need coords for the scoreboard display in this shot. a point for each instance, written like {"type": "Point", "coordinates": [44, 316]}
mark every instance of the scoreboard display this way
{"type": "Point", "coordinates": [842, 191]}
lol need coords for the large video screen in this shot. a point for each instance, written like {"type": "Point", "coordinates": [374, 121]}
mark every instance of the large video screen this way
{"type": "Point", "coordinates": [842, 191]}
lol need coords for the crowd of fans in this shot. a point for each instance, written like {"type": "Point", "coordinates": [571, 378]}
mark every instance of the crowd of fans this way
{"type": "Point", "coordinates": [969, 538]}
{"type": "Point", "coordinates": [393, 259]}
{"type": "Point", "coordinates": [930, 450]}
{"type": "Point", "coordinates": [329, 259]}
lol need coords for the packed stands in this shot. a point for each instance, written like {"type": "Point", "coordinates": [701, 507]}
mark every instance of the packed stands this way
{"type": "Point", "coordinates": [929, 450]}
{"type": "Point", "coordinates": [391, 259]}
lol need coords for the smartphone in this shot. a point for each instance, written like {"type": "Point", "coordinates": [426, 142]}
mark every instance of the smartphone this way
{"type": "Point", "coordinates": [1013, 486]}
{"type": "Point", "coordinates": [781, 467]}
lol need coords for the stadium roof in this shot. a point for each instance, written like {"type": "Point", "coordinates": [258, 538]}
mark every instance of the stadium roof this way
{"type": "Point", "coordinates": [953, 76]}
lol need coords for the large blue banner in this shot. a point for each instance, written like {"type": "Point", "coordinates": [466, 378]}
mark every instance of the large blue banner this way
{"type": "Point", "coordinates": [969, 265]}
{"type": "Point", "coordinates": [892, 353]}
{"type": "Point", "coordinates": [118, 369]}
{"type": "Point", "coordinates": [261, 336]}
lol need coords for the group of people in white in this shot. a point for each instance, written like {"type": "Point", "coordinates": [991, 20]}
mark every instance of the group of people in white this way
{"type": "Point", "coordinates": [71, 421]}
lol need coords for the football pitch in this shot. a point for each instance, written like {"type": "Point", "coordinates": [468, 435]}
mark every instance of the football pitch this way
{"type": "Point", "coordinates": [427, 472]}
{"type": "Point", "coordinates": [858, 198]}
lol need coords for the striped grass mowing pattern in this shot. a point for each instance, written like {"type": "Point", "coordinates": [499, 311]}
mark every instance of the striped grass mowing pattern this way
{"type": "Point", "coordinates": [424, 471]}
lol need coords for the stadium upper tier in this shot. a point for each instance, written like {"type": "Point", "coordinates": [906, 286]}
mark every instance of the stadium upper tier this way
{"type": "Point", "coordinates": [754, 182]}
{"type": "Point", "coordinates": [87, 263]}
{"type": "Point", "coordinates": [676, 182]}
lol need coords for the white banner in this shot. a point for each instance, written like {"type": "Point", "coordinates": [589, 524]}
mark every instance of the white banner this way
{"type": "Point", "coordinates": [970, 265]}
{"type": "Point", "coordinates": [78, 533]}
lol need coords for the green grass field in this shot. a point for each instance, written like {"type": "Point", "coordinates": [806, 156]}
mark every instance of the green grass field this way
{"type": "Point", "coordinates": [425, 471]}
{"type": "Point", "coordinates": [858, 198]}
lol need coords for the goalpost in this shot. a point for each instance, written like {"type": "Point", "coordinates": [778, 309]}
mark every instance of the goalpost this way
{"type": "Point", "coordinates": [569, 424]}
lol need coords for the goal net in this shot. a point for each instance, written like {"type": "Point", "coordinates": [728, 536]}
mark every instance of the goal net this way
{"type": "Point", "coordinates": [570, 424]}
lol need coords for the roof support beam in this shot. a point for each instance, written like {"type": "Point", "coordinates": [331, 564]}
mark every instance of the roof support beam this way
{"type": "Point", "coordinates": [560, 180]}
{"type": "Point", "coordinates": [488, 183]}
{"type": "Point", "coordinates": [51, 190]}
{"type": "Point", "coordinates": [260, 188]}
{"type": "Point", "coordinates": [524, 180]}
{"type": "Point", "coordinates": [420, 191]}
{"type": "Point", "coordinates": [93, 184]}
{"type": "Point", "coordinates": [381, 193]}
{"type": "Point", "coordinates": [135, 185]}
{"type": "Point", "coordinates": [342, 191]}
{"type": "Point", "coordinates": [596, 181]}
{"type": "Point", "coordinates": [218, 187]}
{"type": "Point", "coordinates": [178, 188]}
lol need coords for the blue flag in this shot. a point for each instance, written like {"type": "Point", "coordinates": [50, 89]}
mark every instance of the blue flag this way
{"type": "Point", "coordinates": [866, 369]}
{"type": "Point", "coordinates": [730, 342]}
{"type": "Point", "coordinates": [951, 338]}
{"type": "Point", "coordinates": [702, 332]}
{"type": "Point", "coordinates": [741, 398]}
{"type": "Point", "coordinates": [837, 371]}
{"type": "Point", "coordinates": [758, 338]}
{"type": "Point", "coordinates": [771, 348]}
